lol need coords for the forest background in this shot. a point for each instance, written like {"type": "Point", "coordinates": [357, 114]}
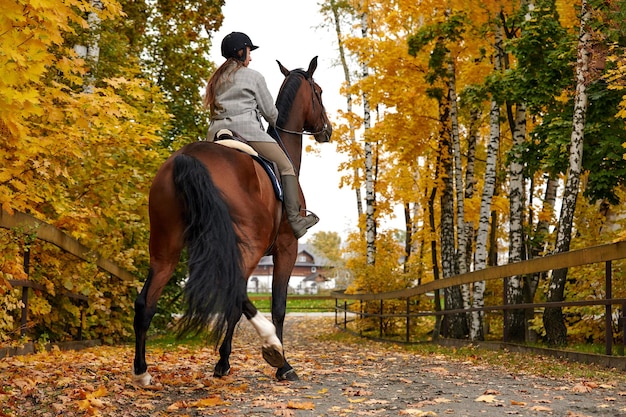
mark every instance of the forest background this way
{"type": "Point", "coordinates": [498, 126]}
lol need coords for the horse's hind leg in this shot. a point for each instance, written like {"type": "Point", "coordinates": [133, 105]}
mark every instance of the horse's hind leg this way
{"type": "Point", "coordinates": [222, 368]}
{"type": "Point", "coordinates": [145, 309]}
{"type": "Point", "coordinates": [272, 347]}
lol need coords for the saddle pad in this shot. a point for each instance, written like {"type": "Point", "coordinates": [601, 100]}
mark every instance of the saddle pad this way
{"type": "Point", "coordinates": [239, 145]}
{"type": "Point", "coordinates": [269, 166]}
{"type": "Point", "coordinates": [271, 169]}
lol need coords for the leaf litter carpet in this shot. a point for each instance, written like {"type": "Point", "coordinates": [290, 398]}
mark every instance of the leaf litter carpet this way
{"type": "Point", "coordinates": [337, 378]}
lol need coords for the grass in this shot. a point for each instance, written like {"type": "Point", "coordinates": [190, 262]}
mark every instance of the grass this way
{"type": "Point", "coordinates": [295, 303]}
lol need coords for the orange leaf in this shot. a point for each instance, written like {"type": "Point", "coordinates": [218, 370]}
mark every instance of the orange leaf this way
{"type": "Point", "coordinates": [301, 406]}
{"type": "Point", "coordinates": [211, 401]}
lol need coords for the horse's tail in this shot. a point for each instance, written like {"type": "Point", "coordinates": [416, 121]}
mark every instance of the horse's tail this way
{"type": "Point", "coordinates": [215, 288]}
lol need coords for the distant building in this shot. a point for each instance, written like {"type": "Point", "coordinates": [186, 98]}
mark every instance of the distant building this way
{"type": "Point", "coordinates": [311, 273]}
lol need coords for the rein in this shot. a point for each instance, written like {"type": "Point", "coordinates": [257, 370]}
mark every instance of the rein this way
{"type": "Point", "coordinates": [303, 131]}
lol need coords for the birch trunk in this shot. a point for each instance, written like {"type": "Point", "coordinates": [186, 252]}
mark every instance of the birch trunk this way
{"type": "Point", "coordinates": [91, 52]}
{"type": "Point", "coordinates": [515, 328]}
{"type": "Point", "coordinates": [556, 332]}
{"type": "Point", "coordinates": [370, 199]}
{"type": "Point", "coordinates": [346, 73]}
{"type": "Point", "coordinates": [461, 242]}
{"type": "Point", "coordinates": [482, 235]}
{"type": "Point", "coordinates": [531, 282]}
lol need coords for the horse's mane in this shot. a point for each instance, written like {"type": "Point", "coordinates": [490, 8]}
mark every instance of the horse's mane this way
{"type": "Point", "coordinates": [287, 94]}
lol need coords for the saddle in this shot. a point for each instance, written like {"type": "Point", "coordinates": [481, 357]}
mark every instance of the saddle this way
{"type": "Point", "coordinates": [232, 140]}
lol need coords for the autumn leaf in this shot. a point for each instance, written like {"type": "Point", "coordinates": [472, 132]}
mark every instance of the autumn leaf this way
{"type": "Point", "coordinates": [211, 401]}
{"type": "Point", "coordinates": [487, 398]}
{"type": "Point", "coordinates": [581, 388]}
{"type": "Point", "coordinates": [300, 405]}
{"type": "Point", "coordinates": [418, 413]}
{"type": "Point", "coordinates": [541, 408]}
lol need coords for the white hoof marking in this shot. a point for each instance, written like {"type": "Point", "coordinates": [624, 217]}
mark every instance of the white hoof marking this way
{"type": "Point", "coordinates": [267, 332]}
{"type": "Point", "coordinates": [142, 380]}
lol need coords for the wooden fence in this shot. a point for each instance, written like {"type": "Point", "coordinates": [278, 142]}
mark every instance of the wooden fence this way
{"type": "Point", "coordinates": [348, 307]}
{"type": "Point", "coordinates": [43, 231]}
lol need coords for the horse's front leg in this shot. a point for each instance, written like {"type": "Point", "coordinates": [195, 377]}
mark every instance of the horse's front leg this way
{"type": "Point", "coordinates": [279, 309]}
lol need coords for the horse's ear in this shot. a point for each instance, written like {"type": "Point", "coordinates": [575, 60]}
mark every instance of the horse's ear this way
{"type": "Point", "coordinates": [312, 67]}
{"type": "Point", "coordinates": [284, 70]}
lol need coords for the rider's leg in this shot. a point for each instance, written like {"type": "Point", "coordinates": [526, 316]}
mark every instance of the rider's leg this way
{"type": "Point", "coordinates": [291, 187]}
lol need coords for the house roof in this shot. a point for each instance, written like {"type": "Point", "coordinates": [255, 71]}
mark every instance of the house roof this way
{"type": "Point", "coordinates": [303, 248]}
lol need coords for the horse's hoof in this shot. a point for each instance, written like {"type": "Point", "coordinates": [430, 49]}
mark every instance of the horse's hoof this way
{"type": "Point", "coordinates": [273, 356]}
{"type": "Point", "coordinates": [142, 380]}
{"type": "Point", "coordinates": [220, 373]}
{"type": "Point", "coordinates": [290, 375]}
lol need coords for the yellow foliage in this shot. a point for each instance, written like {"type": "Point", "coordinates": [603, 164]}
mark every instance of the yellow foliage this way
{"type": "Point", "coordinates": [81, 161]}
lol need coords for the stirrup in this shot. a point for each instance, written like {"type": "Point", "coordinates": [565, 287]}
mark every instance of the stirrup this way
{"type": "Point", "coordinates": [308, 213]}
{"type": "Point", "coordinates": [304, 223]}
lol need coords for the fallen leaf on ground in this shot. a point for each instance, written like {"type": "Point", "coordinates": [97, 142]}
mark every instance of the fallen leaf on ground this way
{"type": "Point", "coordinates": [486, 399]}
{"type": "Point", "coordinates": [211, 401]}
{"type": "Point", "coordinates": [415, 412]}
{"type": "Point", "coordinates": [541, 408]}
{"type": "Point", "coordinates": [300, 405]}
{"type": "Point", "coordinates": [581, 388]}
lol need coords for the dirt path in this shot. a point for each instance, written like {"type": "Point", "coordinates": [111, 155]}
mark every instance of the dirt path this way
{"type": "Point", "coordinates": [357, 378]}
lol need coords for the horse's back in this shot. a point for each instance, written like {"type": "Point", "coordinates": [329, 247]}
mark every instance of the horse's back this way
{"type": "Point", "coordinates": [244, 186]}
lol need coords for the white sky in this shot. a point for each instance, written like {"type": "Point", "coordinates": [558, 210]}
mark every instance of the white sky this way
{"type": "Point", "coordinates": [288, 31]}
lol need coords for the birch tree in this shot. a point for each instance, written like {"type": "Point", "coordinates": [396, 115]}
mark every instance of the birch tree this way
{"type": "Point", "coordinates": [334, 11]}
{"type": "Point", "coordinates": [476, 330]}
{"type": "Point", "coordinates": [556, 332]}
{"type": "Point", "coordinates": [370, 196]}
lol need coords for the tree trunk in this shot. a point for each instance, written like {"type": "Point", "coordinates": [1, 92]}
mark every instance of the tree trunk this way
{"type": "Point", "coordinates": [531, 282]}
{"type": "Point", "coordinates": [455, 323]}
{"type": "Point", "coordinates": [370, 198]}
{"type": "Point", "coordinates": [480, 262]}
{"type": "Point", "coordinates": [515, 318]}
{"type": "Point", "coordinates": [482, 235]}
{"type": "Point", "coordinates": [461, 243]}
{"type": "Point", "coordinates": [346, 73]}
{"type": "Point", "coordinates": [433, 252]}
{"type": "Point", "coordinates": [553, 320]}
{"type": "Point", "coordinates": [91, 52]}
{"type": "Point", "coordinates": [408, 229]}
{"type": "Point", "coordinates": [470, 181]}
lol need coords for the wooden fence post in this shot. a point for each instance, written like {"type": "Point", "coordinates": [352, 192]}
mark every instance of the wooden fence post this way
{"type": "Point", "coordinates": [608, 319]}
{"type": "Point", "coordinates": [24, 319]}
{"type": "Point", "coordinates": [408, 319]}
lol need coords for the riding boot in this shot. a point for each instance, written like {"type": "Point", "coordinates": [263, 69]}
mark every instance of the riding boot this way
{"type": "Point", "coordinates": [291, 197]}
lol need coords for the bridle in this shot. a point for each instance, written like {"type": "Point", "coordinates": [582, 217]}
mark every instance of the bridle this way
{"type": "Point", "coordinates": [315, 96]}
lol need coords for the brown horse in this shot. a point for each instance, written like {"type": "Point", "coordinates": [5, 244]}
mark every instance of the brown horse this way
{"type": "Point", "coordinates": [220, 204]}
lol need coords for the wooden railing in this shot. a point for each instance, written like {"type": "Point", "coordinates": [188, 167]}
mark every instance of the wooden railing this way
{"type": "Point", "coordinates": [43, 231]}
{"type": "Point", "coordinates": [348, 306]}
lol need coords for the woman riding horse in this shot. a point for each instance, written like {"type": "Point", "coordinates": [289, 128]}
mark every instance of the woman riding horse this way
{"type": "Point", "coordinates": [221, 205]}
{"type": "Point", "coordinates": [237, 97]}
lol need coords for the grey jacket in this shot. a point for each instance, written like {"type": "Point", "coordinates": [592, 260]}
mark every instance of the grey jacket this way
{"type": "Point", "coordinates": [239, 104]}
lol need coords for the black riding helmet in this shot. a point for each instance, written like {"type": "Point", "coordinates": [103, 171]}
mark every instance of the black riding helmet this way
{"type": "Point", "coordinates": [235, 41]}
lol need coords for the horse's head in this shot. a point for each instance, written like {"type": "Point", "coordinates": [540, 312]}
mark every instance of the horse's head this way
{"type": "Point", "coordinates": [307, 97]}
